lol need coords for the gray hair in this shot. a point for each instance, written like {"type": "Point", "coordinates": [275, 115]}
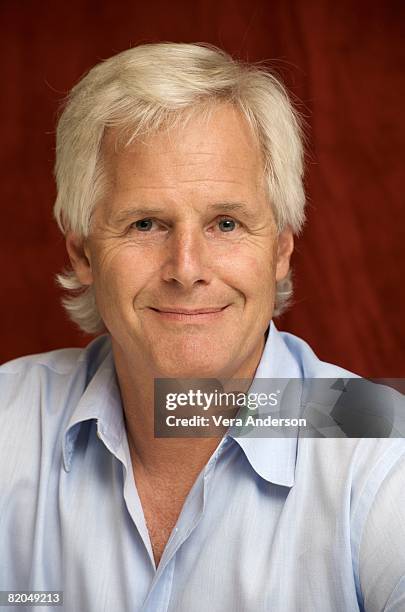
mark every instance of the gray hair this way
{"type": "Point", "coordinates": [141, 90]}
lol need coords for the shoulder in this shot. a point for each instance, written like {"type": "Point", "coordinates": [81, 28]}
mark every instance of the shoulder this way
{"type": "Point", "coordinates": [60, 361]}
{"type": "Point", "coordinates": [311, 365]}
{"type": "Point", "coordinates": [46, 379]}
{"type": "Point", "coordinates": [345, 397]}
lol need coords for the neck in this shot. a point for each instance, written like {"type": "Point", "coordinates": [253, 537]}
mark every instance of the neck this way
{"type": "Point", "coordinates": [161, 456]}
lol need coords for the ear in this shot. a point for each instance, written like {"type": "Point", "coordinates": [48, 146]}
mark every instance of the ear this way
{"type": "Point", "coordinates": [285, 248]}
{"type": "Point", "coordinates": [79, 256]}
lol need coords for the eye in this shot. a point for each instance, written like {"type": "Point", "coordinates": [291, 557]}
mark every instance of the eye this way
{"type": "Point", "coordinates": [143, 225]}
{"type": "Point", "coordinates": [227, 225]}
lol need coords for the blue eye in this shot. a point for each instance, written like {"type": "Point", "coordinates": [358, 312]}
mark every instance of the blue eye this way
{"type": "Point", "coordinates": [144, 225]}
{"type": "Point", "coordinates": [227, 225]}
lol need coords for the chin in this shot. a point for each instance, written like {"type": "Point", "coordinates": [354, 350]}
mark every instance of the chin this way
{"type": "Point", "coordinates": [191, 372]}
{"type": "Point", "coordinates": [192, 361]}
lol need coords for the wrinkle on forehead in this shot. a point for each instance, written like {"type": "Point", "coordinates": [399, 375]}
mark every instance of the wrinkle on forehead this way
{"type": "Point", "coordinates": [208, 116]}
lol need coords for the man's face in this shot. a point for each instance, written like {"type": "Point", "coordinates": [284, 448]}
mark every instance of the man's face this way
{"type": "Point", "coordinates": [183, 251]}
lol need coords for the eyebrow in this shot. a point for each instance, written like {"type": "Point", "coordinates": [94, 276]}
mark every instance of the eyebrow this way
{"type": "Point", "coordinates": [225, 207]}
{"type": "Point", "coordinates": [230, 207]}
{"type": "Point", "coordinates": [129, 213]}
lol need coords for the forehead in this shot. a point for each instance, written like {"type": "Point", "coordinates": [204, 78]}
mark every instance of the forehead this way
{"type": "Point", "coordinates": [220, 138]}
{"type": "Point", "coordinates": [203, 162]}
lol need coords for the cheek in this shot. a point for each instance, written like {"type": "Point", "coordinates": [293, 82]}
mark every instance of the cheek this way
{"type": "Point", "coordinates": [251, 273]}
{"type": "Point", "coordinates": [120, 276]}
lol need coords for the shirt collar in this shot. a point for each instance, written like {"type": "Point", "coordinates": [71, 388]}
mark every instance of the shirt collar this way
{"type": "Point", "coordinates": [101, 401]}
{"type": "Point", "coordinates": [273, 458]}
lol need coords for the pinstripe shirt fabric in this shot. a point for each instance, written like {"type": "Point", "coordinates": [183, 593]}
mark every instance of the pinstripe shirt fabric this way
{"type": "Point", "coordinates": [275, 525]}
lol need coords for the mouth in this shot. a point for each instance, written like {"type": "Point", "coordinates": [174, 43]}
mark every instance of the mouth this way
{"type": "Point", "coordinates": [187, 315]}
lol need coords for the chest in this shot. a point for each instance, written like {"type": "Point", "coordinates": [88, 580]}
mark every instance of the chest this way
{"type": "Point", "coordinates": [160, 525]}
{"type": "Point", "coordinates": [161, 504]}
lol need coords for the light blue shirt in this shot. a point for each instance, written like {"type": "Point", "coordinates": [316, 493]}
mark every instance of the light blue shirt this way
{"type": "Point", "coordinates": [271, 524]}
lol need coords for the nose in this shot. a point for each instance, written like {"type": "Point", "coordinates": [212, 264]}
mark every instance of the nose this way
{"type": "Point", "coordinates": [186, 260]}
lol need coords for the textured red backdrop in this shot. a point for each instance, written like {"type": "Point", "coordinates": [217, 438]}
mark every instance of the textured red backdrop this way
{"type": "Point", "coordinates": [343, 60]}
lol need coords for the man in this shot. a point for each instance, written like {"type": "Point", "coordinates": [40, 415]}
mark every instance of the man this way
{"type": "Point", "coordinates": [179, 191]}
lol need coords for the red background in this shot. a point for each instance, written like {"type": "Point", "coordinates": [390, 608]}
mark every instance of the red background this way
{"type": "Point", "coordinates": [345, 62]}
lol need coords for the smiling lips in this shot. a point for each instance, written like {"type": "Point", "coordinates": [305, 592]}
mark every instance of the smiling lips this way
{"type": "Point", "coordinates": [189, 315]}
